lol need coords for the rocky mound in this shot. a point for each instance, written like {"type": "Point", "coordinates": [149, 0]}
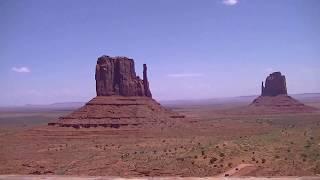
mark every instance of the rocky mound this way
{"type": "Point", "coordinates": [123, 99]}
{"type": "Point", "coordinates": [274, 97]}
{"type": "Point", "coordinates": [280, 103]}
{"type": "Point", "coordinates": [116, 111]}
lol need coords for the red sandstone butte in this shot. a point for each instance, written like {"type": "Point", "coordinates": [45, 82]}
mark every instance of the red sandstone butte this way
{"type": "Point", "coordinates": [275, 84]}
{"type": "Point", "coordinates": [123, 99]}
{"type": "Point", "coordinates": [117, 76]}
{"type": "Point", "coordinates": [274, 97]}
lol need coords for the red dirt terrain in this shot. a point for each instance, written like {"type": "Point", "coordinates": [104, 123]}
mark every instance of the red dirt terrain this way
{"type": "Point", "coordinates": [206, 143]}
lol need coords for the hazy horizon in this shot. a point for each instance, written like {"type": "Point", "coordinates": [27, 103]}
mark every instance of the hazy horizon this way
{"type": "Point", "coordinates": [194, 50]}
{"type": "Point", "coordinates": [210, 100]}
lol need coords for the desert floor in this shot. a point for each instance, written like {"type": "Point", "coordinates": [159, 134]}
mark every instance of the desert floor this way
{"type": "Point", "coordinates": [211, 141]}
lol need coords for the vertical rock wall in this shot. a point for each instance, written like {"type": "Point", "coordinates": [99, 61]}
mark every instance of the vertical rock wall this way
{"type": "Point", "coordinates": [275, 84]}
{"type": "Point", "coordinates": [117, 76]}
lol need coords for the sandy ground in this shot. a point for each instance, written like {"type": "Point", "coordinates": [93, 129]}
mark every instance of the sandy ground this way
{"type": "Point", "coordinates": [41, 177]}
{"type": "Point", "coordinates": [209, 142]}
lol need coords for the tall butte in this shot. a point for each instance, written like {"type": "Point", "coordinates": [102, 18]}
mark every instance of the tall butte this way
{"type": "Point", "coordinates": [123, 99]}
{"type": "Point", "coordinates": [274, 97]}
{"type": "Point", "coordinates": [116, 76]}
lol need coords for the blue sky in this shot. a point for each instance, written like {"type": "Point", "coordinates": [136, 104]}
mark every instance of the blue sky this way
{"type": "Point", "coordinates": [193, 49]}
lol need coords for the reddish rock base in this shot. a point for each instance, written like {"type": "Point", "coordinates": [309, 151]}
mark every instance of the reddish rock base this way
{"type": "Point", "coordinates": [280, 103]}
{"type": "Point", "coordinates": [117, 111]}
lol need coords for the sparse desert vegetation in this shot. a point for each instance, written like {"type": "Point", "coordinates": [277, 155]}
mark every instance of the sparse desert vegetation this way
{"type": "Point", "coordinates": [209, 142]}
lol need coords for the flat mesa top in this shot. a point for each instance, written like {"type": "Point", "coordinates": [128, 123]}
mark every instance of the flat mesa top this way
{"type": "Point", "coordinates": [105, 59]}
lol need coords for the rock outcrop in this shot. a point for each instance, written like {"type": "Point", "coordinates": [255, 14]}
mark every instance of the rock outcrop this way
{"type": "Point", "coordinates": [117, 76]}
{"type": "Point", "coordinates": [147, 91]}
{"type": "Point", "coordinates": [275, 84]}
{"type": "Point", "coordinates": [123, 99]}
{"type": "Point", "coordinates": [274, 97]}
{"type": "Point", "coordinates": [118, 111]}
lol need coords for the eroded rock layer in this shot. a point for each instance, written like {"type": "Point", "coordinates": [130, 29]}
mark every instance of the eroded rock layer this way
{"type": "Point", "coordinates": [116, 111]}
{"type": "Point", "coordinates": [280, 103]}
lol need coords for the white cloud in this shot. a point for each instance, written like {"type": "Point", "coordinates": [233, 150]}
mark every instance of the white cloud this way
{"type": "Point", "coordinates": [185, 75]}
{"type": "Point", "coordinates": [21, 69]}
{"type": "Point", "coordinates": [230, 2]}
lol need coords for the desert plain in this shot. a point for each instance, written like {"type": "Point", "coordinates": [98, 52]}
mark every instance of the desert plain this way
{"type": "Point", "coordinates": [218, 137]}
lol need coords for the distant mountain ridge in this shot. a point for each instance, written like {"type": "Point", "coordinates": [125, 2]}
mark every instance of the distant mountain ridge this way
{"type": "Point", "coordinates": [304, 97]}
{"type": "Point", "coordinates": [57, 105]}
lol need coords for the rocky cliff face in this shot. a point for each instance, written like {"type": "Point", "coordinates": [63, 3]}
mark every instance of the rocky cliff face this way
{"type": "Point", "coordinates": [117, 76]}
{"type": "Point", "coordinates": [275, 84]}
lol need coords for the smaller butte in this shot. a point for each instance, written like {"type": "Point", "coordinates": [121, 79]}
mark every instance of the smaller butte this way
{"type": "Point", "coordinates": [274, 97]}
{"type": "Point", "coordinates": [123, 99]}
